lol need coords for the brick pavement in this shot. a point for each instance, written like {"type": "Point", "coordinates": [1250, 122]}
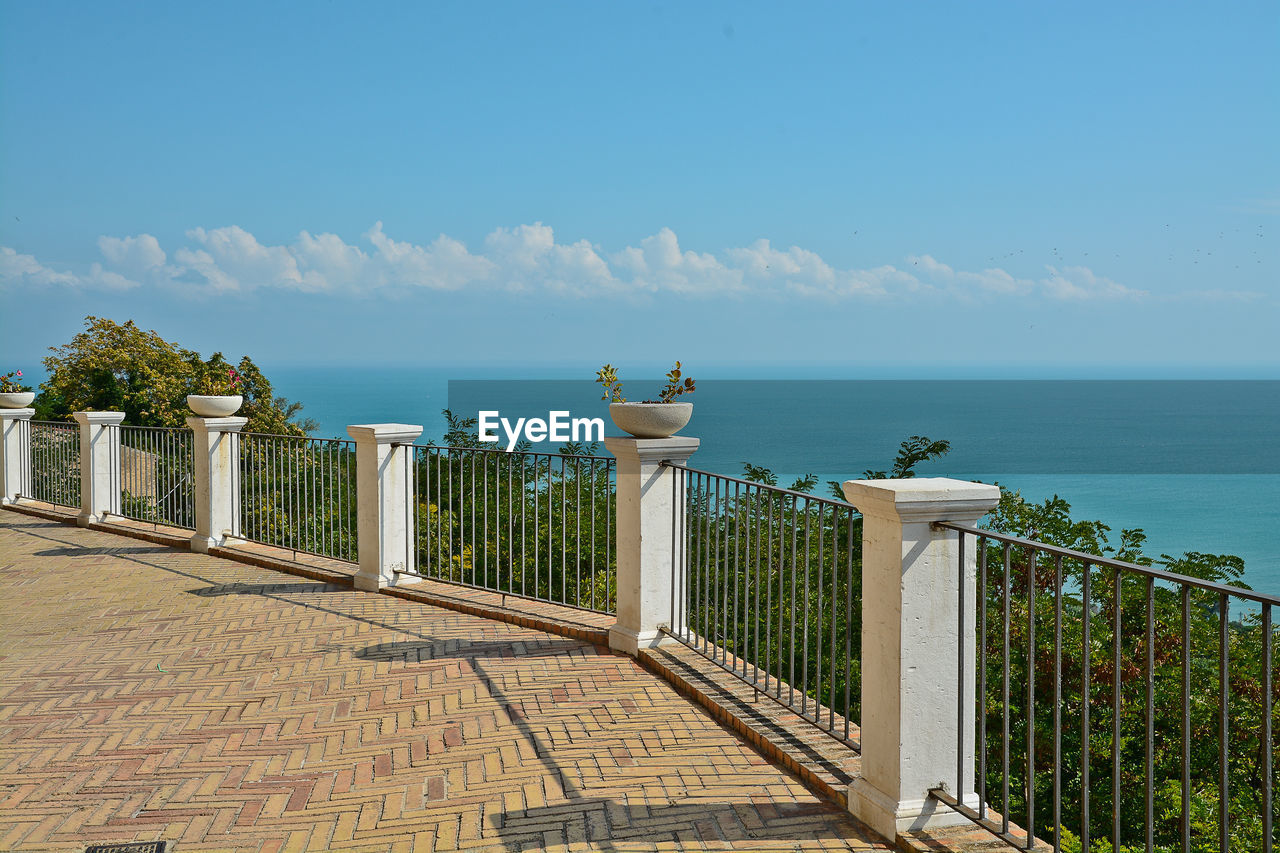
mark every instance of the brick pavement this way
{"type": "Point", "coordinates": [150, 693]}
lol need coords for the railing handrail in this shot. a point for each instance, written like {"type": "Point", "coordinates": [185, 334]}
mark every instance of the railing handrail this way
{"type": "Point", "coordinates": [283, 436]}
{"type": "Point", "coordinates": [1096, 560]}
{"type": "Point", "coordinates": [67, 424]}
{"type": "Point", "coordinates": [512, 452]}
{"type": "Point", "coordinates": [151, 428]}
{"type": "Point", "coordinates": [776, 489]}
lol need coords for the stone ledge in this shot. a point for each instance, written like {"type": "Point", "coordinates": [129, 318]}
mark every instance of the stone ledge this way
{"type": "Point", "coordinates": [824, 764]}
{"type": "Point", "coordinates": [570, 622]}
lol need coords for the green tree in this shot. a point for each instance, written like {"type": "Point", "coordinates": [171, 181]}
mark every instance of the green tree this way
{"type": "Point", "coordinates": [119, 367]}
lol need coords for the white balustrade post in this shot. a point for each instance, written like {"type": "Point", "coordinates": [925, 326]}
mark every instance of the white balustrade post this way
{"type": "Point", "coordinates": [916, 612]}
{"type": "Point", "coordinates": [99, 465]}
{"type": "Point", "coordinates": [15, 454]}
{"type": "Point", "coordinates": [385, 504]}
{"type": "Point", "coordinates": [650, 509]}
{"type": "Point", "coordinates": [217, 487]}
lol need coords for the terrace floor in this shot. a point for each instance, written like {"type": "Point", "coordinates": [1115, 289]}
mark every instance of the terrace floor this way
{"type": "Point", "coordinates": [149, 693]}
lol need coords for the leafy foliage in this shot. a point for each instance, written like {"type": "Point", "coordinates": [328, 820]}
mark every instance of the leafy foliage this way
{"type": "Point", "coordinates": [674, 387]}
{"type": "Point", "coordinates": [119, 367]}
{"type": "Point", "coordinates": [607, 376]}
{"type": "Point", "coordinates": [911, 453]}
{"type": "Point", "coordinates": [9, 384]}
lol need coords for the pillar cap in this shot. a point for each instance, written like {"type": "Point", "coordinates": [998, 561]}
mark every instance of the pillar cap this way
{"type": "Point", "coordinates": [98, 418]}
{"type": "Point", "coordinates": [216, 424]}
{"type": "Point", "coordinates": [17, 414]}
{"type": "Point", "coordinates": [923, 498]}
{"type": "Point", "coordinates": [385, 433]}
{"type": "Point", "coordinates": [677, 448]}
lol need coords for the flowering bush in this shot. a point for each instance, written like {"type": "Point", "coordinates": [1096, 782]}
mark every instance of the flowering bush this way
{"type": "Point", "coordinates": [220, 382]}
{"type": "Point", "coordinates": [8, 384]}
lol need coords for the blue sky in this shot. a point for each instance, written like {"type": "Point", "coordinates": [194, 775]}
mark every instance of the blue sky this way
{"type": "Point", "coordinates": [924, 188]}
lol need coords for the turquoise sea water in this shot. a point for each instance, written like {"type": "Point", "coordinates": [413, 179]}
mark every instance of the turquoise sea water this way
{"type": "Point", "coordinates": [1195, 464]}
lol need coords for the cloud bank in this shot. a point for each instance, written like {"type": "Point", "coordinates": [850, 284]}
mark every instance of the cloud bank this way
{"type": "Point", "coordinates": [526, 258]}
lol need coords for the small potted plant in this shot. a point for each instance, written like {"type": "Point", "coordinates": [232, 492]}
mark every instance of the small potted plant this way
{"type": "Point", "coordinates": [219, 395]}
{"type": "Point", "coordinates": [13, 394]}
{"type": "Point", "coordinates": [658, 418]}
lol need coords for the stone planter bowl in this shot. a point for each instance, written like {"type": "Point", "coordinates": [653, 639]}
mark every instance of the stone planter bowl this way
{"type": "Point", "coordinates": [214, 406]}
{"type": "Point", "coordinates": [651, 420]}
{"type": "Point", "coordinates": [16, 399]}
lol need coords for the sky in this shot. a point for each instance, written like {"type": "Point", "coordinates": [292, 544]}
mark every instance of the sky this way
{"type": "Point", "coordinates": [871, 188]}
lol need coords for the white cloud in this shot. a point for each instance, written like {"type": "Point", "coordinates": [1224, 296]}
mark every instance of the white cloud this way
{"type": "Point", "coordinates": [233, 259]}
{"type": "Point", "coordinates": [443, 265]}
{"type": "Point", "coordinates": [761, 261]}
{"type": "Point", "coordinates": [1081, 283]}
{"type": "Point", "coordinates": [659, 265]}
{"type": "Point", "coordinates": [18, 270]}
{"type": "Point", "coordinates": [139, 254]}
{"type": "Point", "coordinates": [529, 258]}
{"type": "Point", "coordinates": [528, 255]}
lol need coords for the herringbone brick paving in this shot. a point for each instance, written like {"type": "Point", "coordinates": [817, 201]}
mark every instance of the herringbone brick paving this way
{"type": "Point", "coordinates": [149, 693]}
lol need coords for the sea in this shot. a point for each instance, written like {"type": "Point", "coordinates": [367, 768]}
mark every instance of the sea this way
{"type": "Point", "coordinates": [1194, 463]}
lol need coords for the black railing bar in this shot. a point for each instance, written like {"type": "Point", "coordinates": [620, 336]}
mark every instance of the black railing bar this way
{"type": "Point", "coordinates": [1117, 699]}
{"type": "Point", "coordinates": [1006, 592]}
{"type": "Point", "coordinates": [1266, 728]}
{"type": "Point", "coordinates": [961, 763]}
{"type": "Point", "coordinates": [768, 594]}
{"type": "Point", "coordinates": [1224, 715]}
{"type": "Point", "coordinates": [1094, 559]}
{"type": "Point", "coordinates": [1016, 841]}
{"type": "Point", "coordinates": [1186, 719]}
{"type": "Point", "coordinates": [713, 650]}
{"type": "Point", "coordinates": [981, 652]}
{"type": "Point", "coordinates": [1057, 702]}
{"type": "Point", "coordinates": [762, 486]}
{"type": "Point", "coordinates": [1030, 788]}
{"type": "Point", "coordinates": [1149, 790]}
{"type": "Point", "coordinates": [848, 621]}
{"type": "Point", "coordinates": [835, 598]}
{"type": "Point", "coordinates": [1086, 661]}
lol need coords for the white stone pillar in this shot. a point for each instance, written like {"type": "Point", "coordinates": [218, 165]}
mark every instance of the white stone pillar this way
{"type": "Point", "coordinates": [99, 465]}
{"type": "Point", "coordinates": [217, 471]}
{"type": "Point", "coordinates": [911, 653]}
{"type": "Point", "coordinates": [15, 454]}
{"type": "Point", "coordinates": [385, 503]}
{"type": "Point", "coordinates": [647, 515]}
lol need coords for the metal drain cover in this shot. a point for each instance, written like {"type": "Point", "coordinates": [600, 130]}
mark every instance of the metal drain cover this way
{"type": "Point", "coordinates": [131, 847]}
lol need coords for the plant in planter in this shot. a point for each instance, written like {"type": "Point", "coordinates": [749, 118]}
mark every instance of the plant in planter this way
{"type": "Point", "coordinates": [218, 393]}
{"type": "Point", "coordinates": [658, 418]}
{"type": "Point", "coordinates": [13, 394]}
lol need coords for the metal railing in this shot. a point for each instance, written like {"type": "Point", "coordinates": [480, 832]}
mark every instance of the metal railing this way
{"type": "Point", "coordinates": [768, 586]}
{"type": "Point", "coordinates": [55, 462]}
{"type": "Point", "coordinates": [1121, 698]}
{"type": "Point", "coordinates": [537, 525]}
{"type": "Point", "coordinates": [156, 468]}
{"type": "Point", "coordinates": [297, 493]}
